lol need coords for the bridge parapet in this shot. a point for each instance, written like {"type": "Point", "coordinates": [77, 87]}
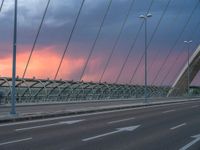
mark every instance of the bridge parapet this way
{"type": "Point", "coordinates": [44, 91]}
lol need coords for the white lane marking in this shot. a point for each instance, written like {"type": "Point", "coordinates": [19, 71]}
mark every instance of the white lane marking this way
{"type": "Point", "coordinates": [37, 127]}
{"type": "Point", "coordinates": [195, 106]}
{"type": "Point", "coordinates": [196, 139]}
{"type": "Point", "coordinates": [122, 120]}
{"type": "Point", "coordinates": [16, 141]}
{"type": "Point", "coordinates": [118, 130]}
{"type": "Point", "coordinates": [168, 111]}
{"type": "Point", "coordinates": [71, 122]}
{"type": "Point", "coordinates": [178, 126]}
{"type": "Point", "coordinates": [90, 114]}
{"type": "Point", "coordinates": [49, 125]}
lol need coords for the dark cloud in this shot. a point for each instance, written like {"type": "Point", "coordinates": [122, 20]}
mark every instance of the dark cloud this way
{"type": "Point", "coordinates": [61, 16]}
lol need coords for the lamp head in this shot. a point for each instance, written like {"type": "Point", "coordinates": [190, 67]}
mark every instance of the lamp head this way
{"type": "Point", "coordinates": [142, 16]}
{"type": "Point", "coordinates": [188, 41]}
{"type": "Point", "coordinates": [149, 15]}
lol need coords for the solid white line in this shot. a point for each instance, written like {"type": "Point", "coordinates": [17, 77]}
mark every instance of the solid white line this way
{"type": "Point", "coordinates": [71, 121]}
{"type": "Point", "coordinates": [16, 141]}
{"type": "Point", "coordinates": [118, 130]}
{"type": "Point", "coordinates": [122, 120]}
{"type": "Point", "coordinates": [168, 111]}
{"type": "Point", "coordinates": [36, 127]}
{"type": "Point", "coordinates": [90, 114]}
{"type": "Point", "coordinates": [74, 116]}
{"type": "Point", "coordinates": [49, 125]}
{"type": "Point", "coordinates": [195, 106]}
{"type": "Point", "coordinates": [178, 126]}
{"type": "Point", "coordinates": [99, 136]}
{"type": "Point", "coordinates": [190, 144]}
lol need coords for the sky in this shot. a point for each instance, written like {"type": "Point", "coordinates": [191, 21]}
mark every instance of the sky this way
{"type": "Point", "coordinates": [166, 31]}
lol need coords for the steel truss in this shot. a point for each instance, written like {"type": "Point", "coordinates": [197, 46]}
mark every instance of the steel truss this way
{"type": "Point", "coordinates": [45, 90]}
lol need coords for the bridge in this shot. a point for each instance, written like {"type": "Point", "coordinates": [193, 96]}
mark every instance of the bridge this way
{"type": "Point", "coordinates": [181, 83]}
{"type": "Point", "coordinates": [84, 74]}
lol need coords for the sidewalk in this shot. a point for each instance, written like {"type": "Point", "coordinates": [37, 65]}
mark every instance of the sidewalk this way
{"type": "Point", "coordinates": [28, 112]}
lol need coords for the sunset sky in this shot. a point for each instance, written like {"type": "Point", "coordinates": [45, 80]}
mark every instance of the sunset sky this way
{"type": "Point", "coordinates": [58, 23]}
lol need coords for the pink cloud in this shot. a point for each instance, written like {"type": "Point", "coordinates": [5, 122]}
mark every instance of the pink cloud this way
{"type": "Point", "coordinates": [43, 64]}
{"type": "Point", "coordinates": [45, 60]}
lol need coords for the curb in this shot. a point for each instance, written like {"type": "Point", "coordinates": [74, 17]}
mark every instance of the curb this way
{"type": "Point", "coordinates": [92, 101]}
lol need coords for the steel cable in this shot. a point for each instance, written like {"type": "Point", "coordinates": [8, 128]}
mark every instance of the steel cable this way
{"type": "Point", "coordinates": [36, 38]}
{"type": "Point", "coordinates": [2, 2]}
{"type": "Point", "coordinates": [168, 29]}
{"type": "Point", "coordinates": [152, 36]}
{"type": "Point", "coordinates": [138, 32]}
{"type": "Point", "coordinates": [178, 57]}
{"type": "Point", "coordinates": [69, 40]}
{"type": "Point", "coordinates": [117, 40]}
{"type": "Point", "coordinates": [175, 43]}
{"type": "Point", "coordinates": [96, 39]}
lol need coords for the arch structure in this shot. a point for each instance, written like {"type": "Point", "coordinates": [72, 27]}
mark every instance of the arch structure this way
{"type": "Point", "coordinates": [44, 91]}
{"type": "Point", "coordinates": [179, 88]}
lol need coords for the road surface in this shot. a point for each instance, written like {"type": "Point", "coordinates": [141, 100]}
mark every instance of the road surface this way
{"type": "Point", "coordinates": [165, 127]}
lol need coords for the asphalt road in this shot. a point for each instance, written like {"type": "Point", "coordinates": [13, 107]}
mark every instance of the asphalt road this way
{"type": "Point", "coordinates": [28, 109]}
{"type": "Point", "coordinates": [165, 127]}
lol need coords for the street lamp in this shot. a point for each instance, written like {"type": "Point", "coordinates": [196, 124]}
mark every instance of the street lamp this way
{"type": "Point", "coordinates": [188, 63]}
{"type": "Point", "coordinates": [13, 92]}
{"type": "Point", "coordinates": [145, 17]}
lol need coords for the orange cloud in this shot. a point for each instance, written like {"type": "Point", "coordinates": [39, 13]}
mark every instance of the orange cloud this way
{"type": "Point", "coordinates": [45, 61]}
{"type": "Point", "coordinates": [43, 64]}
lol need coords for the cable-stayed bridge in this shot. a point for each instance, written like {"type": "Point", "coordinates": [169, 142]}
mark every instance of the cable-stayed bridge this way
{"type": "Point", "coordinates": [163, 66]}
{"type": "Point", "coordinates": [150, 60]}
{"type": "Point", "coordinates": [99, 74]}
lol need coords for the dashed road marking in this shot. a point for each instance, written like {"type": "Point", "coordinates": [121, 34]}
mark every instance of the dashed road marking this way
{"type": "Point", "coordinates": [122, 120]}
{"type": "Point", "coordinates": [178, 126]}
{"type": "Point", "coordinates": [16, 141]}
{"type": "Point", "coordinates": [168, 111]}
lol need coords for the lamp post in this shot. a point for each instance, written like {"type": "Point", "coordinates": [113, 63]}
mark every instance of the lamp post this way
{"type": "Point", "coordinates": [188, 63]}
{"type": "Point", "coordinates": [13, 92]}
{"type": "Point", "coordinates": [145, 17]}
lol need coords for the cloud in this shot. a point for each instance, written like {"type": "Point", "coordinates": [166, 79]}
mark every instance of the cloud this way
{"type": "Point", "coordinates": [58, 25]}
{"type": "Point", "coordinates": [42, 65]}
